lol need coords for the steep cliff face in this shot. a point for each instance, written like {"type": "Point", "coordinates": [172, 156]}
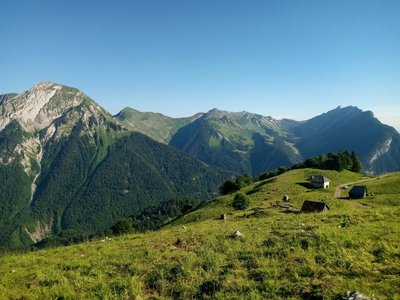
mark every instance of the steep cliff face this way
{"type": "Point", "coordinates": [384, 157]}
{"type": "Point", "coordinates": [38, 107]}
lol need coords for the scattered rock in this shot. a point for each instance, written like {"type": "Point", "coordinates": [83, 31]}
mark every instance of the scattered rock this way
{"type": "Point", "coordinates": [237, 234]}
{"type": "Point", "coordinates": [356, 296]}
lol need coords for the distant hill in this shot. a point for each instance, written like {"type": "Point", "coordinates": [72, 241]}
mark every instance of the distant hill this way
{"type": "Point", "coordinates": [243, 142]}
{"type": "Point", "coordinates": [157, 126]}
{"type": "Point", "coordinates": [282, 255]}
{"type": "Point", "coordinates": [68, 165]}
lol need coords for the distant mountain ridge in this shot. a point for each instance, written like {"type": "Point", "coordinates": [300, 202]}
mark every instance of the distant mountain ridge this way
{"type": "Point", "coordinates": [240, 142]}
{"type": "Point", "coordinates": [377, 144]}
{"type": "Point", "coordinates": [157, 126]}
{"type": "Point", "coordinates": [243, 142]}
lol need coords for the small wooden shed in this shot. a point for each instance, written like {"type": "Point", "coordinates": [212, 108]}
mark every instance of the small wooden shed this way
{"type": "Point", "coordinates": [314, 206]}
{"type": "Point", "coordinates": [358, 192]}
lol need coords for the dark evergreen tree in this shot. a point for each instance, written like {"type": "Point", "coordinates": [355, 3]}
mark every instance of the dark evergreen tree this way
{"type": "Point", "coordinates": [312, 162]}
{"type": "Point", "coordinates": [228, 187]}
{"type": "Point", "coordinates": [334, 162]}
{"type": "Point", "coordinates": [356, 165]}
{"type": "Point", "coordinates": [244, 180]}
{"type": "Point", "coordinates": [233, 185]}
{"type": "Point", "coordinates": [347, 160]}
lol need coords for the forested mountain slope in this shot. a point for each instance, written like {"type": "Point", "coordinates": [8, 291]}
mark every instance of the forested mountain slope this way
{"type": "Point", "coordinates": [67, 164]}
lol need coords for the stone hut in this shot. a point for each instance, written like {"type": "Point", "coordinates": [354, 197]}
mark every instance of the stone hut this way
{"type": "Point", "coordinates": [314, 206]}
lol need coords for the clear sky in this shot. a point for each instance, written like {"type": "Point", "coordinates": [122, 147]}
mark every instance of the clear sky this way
{"type": "Point", "coordinates": [282, 58]}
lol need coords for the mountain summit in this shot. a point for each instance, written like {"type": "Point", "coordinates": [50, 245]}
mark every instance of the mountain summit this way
{"type": "Point", "coordinates": [350, 128]}
{"type": "Point", "coordinates": [38, 107]}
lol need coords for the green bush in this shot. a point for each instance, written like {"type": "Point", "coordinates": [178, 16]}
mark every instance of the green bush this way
{"type": "Point", "coordinates": [123, 226]}
{"type": "Point", "coordinates": [241, 201]}
{"type": "Point", "coordinates": [233, 185]}
{"type": "Point", "coordinates": [228, 187]}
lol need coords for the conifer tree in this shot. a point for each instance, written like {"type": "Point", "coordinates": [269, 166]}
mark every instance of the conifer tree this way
{"type": "Point", "coordinates": [357, 166]}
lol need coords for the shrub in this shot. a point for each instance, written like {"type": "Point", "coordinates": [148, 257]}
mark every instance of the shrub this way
{"type": "Point", "coordinates": [241, 201]}
{"type": "Point", "coordinates": [244, 180]}
{"type": "Point", "coordinates": [228, 187]}
{"type": "Point", "coordinates": [122, 226]}
{"type": "Point", "coordinates": [236, 184]}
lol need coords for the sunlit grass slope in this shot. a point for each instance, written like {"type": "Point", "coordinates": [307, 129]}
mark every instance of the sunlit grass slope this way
{"type": "Point", "coordinates": [353, 247]}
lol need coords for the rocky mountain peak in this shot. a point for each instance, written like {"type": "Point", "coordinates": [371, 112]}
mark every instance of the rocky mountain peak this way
{"type": "Point", "coordinates": [217, 114]}
{"type": "Point", "coordinates": [44, 85]}
{"type": "Point", "coordinates": [39, 106]}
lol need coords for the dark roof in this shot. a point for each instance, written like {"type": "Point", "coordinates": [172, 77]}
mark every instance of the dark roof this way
{"type": "Point", "coordinates": [319, 179]}
{"type": "Point", "coordinates": [314, 206]}
{"type": "Point", "coordinates": [358, 191]}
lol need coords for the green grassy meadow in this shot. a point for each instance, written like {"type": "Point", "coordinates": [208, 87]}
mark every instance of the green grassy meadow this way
{"type": "Point", "coordinates": [353, 247]}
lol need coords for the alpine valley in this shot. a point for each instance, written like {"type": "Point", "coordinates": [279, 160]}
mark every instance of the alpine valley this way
{"type": "Point", "coordinates": [69, 167]}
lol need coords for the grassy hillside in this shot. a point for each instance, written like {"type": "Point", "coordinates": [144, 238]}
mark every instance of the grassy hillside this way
{"type": "Point", "coordinates": [354, 246]}
{"type": "Point", "coordinates": [157, 126]}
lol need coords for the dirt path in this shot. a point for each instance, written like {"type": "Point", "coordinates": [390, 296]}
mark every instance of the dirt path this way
{"type": "Point", "coordinates": [340, 188]}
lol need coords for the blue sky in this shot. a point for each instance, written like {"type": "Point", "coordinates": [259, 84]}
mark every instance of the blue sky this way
{"type": "Point", "coordinates": [283, 58]}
